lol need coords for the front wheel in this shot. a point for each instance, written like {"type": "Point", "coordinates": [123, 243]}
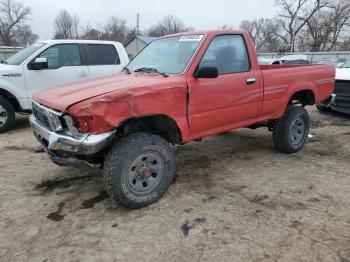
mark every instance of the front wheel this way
{"type": "Point", "coordinates": [291, 130]}
{"type": "Point", "coordinates": [7, 115]}
{"type": "Point", "coordinates": [139, 169]}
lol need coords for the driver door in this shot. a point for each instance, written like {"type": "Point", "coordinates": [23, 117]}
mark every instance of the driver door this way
{"type": "Point", "coordinates": [64, 66]}
{"type": "Point", "coordinates": [234, 97]}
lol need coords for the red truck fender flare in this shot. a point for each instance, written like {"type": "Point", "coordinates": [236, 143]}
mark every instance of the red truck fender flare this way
{"type": "Point", "coordinates": [172, 129]}
{"type": "Point", "coordinates": [296, 90]}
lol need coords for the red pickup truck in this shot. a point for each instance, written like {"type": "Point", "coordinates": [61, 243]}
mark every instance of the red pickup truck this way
{"type": "Point", "coordinates": [180, 88]}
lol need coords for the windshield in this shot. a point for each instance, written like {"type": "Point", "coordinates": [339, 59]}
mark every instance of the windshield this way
{"type": "Point", "coordinates": [346, 64]}
{"type": "Point", "coordinates": [167, 55]}
{"type": "Point", "coordinates": [22, 55]}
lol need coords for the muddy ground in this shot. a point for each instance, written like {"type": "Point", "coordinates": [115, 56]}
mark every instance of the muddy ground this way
{"type": "Point", "coordinates": [235, 199]}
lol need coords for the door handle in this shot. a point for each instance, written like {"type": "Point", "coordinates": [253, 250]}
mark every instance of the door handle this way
{"type": "Point", "coordinates": [251, 80]}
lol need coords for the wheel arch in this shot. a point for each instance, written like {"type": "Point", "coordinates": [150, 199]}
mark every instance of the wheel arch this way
{"type": "Point", "coordinates": [296, 94]}
{"type": "Point", "coordinates": [159, 124]}
{"type": "Point", "coordinates": [11, 99]}
{"type": "Point", "coordinates": [304, 96]}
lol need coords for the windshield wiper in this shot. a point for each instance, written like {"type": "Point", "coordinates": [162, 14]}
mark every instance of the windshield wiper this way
{"type": "Point", "coordinates": [150, 69]}
{"type": "Point", "coordinates": [127, 70]}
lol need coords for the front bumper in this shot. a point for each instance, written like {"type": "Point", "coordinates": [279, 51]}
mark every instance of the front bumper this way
{"type": "Point", "coordinates": [338, 103]}
{"type": "Point", "coordinates": [342, 104]}
{"type": "Point", "coordinates": [65, 149]}
{"type": "Point", "coordinates": [340, 100]}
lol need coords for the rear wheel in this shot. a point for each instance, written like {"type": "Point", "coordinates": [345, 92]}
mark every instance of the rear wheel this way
{"type": "Point", "coordinates": [291, 131]}
{"type": "Point", "coordinates": [7, 115]}
{"type": "Point", "coordinates": [139, 169]}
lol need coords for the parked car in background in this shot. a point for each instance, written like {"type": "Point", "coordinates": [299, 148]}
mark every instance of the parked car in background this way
{"type": "Point", "coordinates": [209, 82]}
{"type": "Point", "coordinates": [340, 99]}
{"type": "Point", "coordinates": [341, 62]}
{"type": "Point", "coordinates": [53, 63]}
{"type": "Point", "coordinates": [345, 67]}
{"type": "Point", "coordinates": [264, 60]}
{"type": "Point", "coordinates": [291, 59]}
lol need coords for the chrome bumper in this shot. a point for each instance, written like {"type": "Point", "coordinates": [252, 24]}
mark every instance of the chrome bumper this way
{"type": "Point", "coordinates": [85, 144]}
{"type": "Point", "coordinates": [332, 102]}
{"type": "Point", "coordinates": [329, 102]}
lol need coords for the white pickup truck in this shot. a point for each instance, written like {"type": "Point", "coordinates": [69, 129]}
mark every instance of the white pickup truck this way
{"type": "Point", "coordinates": [52, 63]}
{"type": "Point", "coordinates": [340, 99]}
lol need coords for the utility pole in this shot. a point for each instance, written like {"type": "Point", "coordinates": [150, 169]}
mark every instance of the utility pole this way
{"type": "Point", "coordinates": [138, 24]}
{"type": "Point", "coordinates": [137, 31]}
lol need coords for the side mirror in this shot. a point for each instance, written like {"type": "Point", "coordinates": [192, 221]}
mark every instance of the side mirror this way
{"type": "Point", "coordinates": [38, 64]}
{"type": "Point", "coordinates": [207, 72]}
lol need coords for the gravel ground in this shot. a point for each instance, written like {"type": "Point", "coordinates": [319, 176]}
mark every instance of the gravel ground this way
{"type": "Point", "coordinates": [235, 199]}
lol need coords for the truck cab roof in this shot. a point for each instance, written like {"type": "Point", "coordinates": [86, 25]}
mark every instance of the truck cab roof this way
{"type": "Point", "coordinates": [78, 41]}
{"type": "Point", "coordinates": [217, 32]}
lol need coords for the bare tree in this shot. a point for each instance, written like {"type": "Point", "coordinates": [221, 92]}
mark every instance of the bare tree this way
{"type": "Point", "coordinates": [262, 32]}
{"type": "Point", "coordinates": [25, 36]}
{"type": "Point", "coordinates": [316, 25]}
{"type": "Point", "coordinates": [168, 25]}
{"type": "Point", "coordinates": [116, 30]}
{"type": "Point", "coordinates": [256, 30]}
{"type": "Point", "coordinates": [294, 17]}
{"type": "Point", "coordinates": [325, 28]}
{"type": "Point", "coordinates": [132, 33]}
{"type": "Point", "coordinates": [345, 44]}
{"type": "Point", "coordinates": [12, 18]}
{"type": "Point", "coordinates": [66, 25]}
{"type": "Point", "coordinates": [90, 33]}
{"type": "Point", "coordinates": [271, 42]}
{"type": "Point", "coordinates": [340, 20]}
{"type": "Point", "coordinates": [317, 32]}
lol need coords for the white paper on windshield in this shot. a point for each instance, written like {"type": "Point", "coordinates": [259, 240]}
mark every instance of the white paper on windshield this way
{"type": "Point", "coordinates": [192, 38]}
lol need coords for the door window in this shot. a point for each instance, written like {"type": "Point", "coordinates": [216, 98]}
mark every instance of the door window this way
{"type": "Point", "coordinates": [62, 55]}
{"type": "Point", "coordinates": [102, 55]}
{"type": "Point", "coordinates": [228, 53]}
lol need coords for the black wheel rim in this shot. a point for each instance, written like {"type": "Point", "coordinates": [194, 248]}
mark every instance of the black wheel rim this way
{"type": "Point", "coordinates": [145, 173]}
{"type": "Point", "coordinates": [3, 116]}
{"type": "Point", "coordinates": [297, 130]}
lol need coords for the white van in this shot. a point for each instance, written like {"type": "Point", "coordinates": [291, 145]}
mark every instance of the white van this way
{"type": "Point", "coordinates": [51, 63]}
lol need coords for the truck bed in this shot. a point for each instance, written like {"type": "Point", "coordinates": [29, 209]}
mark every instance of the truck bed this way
{"type": "Point", "coordinates": [280, 81]}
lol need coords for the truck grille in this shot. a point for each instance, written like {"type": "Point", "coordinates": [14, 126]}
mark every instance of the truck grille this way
{"type": "Point", "coordinates": [342, 88]}
{"type": "Point", "coordinates": [41, 115]}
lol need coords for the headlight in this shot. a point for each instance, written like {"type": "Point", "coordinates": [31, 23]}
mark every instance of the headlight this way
{"type": "Point", "coordinates": [55, 122]}
{"type": "Point", "coordinates": [72, 125]}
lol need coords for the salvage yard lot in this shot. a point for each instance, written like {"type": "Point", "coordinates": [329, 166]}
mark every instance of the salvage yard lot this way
{"type": "Point", "coordinates": [234, 199]}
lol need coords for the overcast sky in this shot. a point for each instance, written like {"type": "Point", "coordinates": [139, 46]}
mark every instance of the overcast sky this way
{"type": "Point", "coordinates": [200, 14]}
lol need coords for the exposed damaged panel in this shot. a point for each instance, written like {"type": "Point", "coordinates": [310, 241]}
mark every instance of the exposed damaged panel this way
{"type": "Point", "coordinates": [131, 103]}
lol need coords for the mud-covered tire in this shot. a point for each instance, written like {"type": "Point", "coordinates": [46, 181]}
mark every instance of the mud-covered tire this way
{"type": "Point", "coordinates": [291, 130]}
{"type": "Point", "coordinates": [139, 158]}
{"type": "Point", "coordinates": [7, 115]}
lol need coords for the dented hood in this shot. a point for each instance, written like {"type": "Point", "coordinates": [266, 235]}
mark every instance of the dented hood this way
{"type": "Point", "coordinates": [62, 97]}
